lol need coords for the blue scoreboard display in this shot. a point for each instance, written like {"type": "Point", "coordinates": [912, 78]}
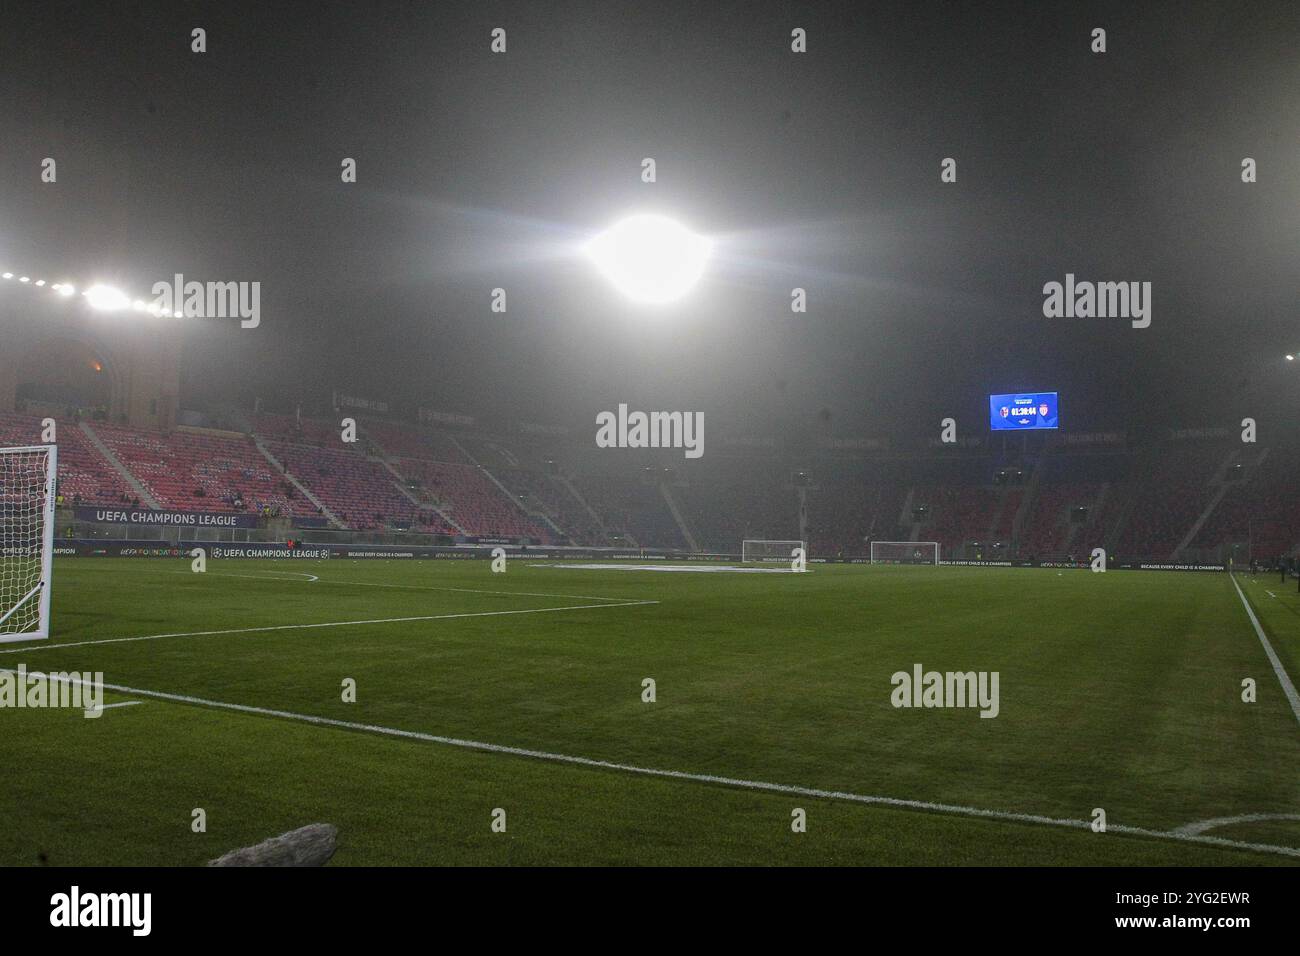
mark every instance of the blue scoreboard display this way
{"type": "Point", "coordinates": [1022, 410]}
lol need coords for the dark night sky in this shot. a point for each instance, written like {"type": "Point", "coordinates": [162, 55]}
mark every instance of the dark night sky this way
{"type": "Point", "coordinates": [818, 170]}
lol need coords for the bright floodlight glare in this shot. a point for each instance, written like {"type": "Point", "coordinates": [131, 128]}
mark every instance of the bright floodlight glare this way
{"type": "Point", "coordinates": [650, 259]}
{"type": "Point", "coordinates": [66, 289]}
{"type": "Point", "coordinates": [106, 298]}
{"type": "Point", "coordinates": [1290, 358]}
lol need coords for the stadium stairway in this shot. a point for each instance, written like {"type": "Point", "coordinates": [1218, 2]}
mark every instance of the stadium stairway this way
{"type": "Point", "coordinates": [1143, 472]}
{"type": "Point", "coordinates": [1200, 521]}
{"type": "Point", "coordinates": [131, 481]}
{"type": "Point", "coordinates": [995, 516]}
{"type": "Point", "coordinates": [801, 495]}
{"type": "Point", "coordinates": [532, 516]}
{"type": "Point", "coordinates": [1027, 502]}
{"type": "Point", "coordinates": [577, 496]}
{"type": "Point", "coordinates": [905, 519]}
{"type": "Point", "coordinates": [1224, 483]}
{"type": "Point", "coordinates": [677, 516]}
{"type": "Point", "coordinates": [1095, 507]}
{"type": "Point", "coordinates": [381, 438]}
{"type": "Point", "coordinates": [400, 484]}
{"type": "Point", "coordinates": [306, 492]}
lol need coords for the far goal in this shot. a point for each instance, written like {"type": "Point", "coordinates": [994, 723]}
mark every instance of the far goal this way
{"type": "Point", "coordinates": [764, 550]}
{"type": "Point", "coordinates": [26, 541]}
{"type": "Point", "coordinates": [905, 552]}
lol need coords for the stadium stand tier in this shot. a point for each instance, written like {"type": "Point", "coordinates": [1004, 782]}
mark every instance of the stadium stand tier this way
{"type": "Point", "coordinates": [470, 497]}
{"type": "Point", "coordinates": [1207, 499]}
{"type": "Point", "coordinates": [196, 471]}
{"type": "Point", "coordinates": [85, 476]}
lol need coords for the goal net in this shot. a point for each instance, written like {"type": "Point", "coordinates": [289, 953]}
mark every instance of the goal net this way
{"type": "Point", "coordinates": [764, 550]}
{"type": "Point", "coordinates": [26, 541]}
{"type": "Point", "coordinates": [905, 552]}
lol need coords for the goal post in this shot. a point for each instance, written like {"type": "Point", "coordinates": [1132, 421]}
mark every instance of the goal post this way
{"type": "Point", "coordinates": [905, 552]}
{"type": "Point", "coordinates": [761, 549]}
{"type": "Point", "coordinates": [27, 489]}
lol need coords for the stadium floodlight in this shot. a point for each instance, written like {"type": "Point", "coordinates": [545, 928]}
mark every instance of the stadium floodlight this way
{"type": "Point", "coordinates": [40, 282]}
{"type": "Point", "coordinates": [8, 275]}
{"type": "Point", "coordinates": [67, 289]}
{"type": "Point", "coordinates": [1290, 358]}
{"type": "Point", "coordinates": [651, 259]}
{"type": "Point", "coordinates": [106, 299]}
{"type": "Point", "coordinates": [24, 279]}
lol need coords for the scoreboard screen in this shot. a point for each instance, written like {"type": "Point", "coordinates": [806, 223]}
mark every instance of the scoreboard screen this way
{"type": "Point", "coordinates": [1022, 410]}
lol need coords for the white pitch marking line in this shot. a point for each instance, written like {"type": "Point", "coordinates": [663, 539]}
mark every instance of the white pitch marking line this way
{"type": "Point", "coordinates": [404, 587]}
{"type": "Point", "coordinates": [945, 808]}
{"type": "Point", "coordinates": [1288, 688]}
{"type": "Point", "coordinates": [256, 577]}
{"type": "Point", "coordinates": [66, 679]}
{"type": "Point", "coordinates": [1269, 593]}
{"type": "Point", "coordinates": [428, 587]}
{"type": "Point", "coordinates": [424, 587]}
{"type": "Point", "coordinates": [1200, 826]}
{"type": "Point", "coordinates": [709, 568]}
{"type": "Point", "coordinates": [296, 627]}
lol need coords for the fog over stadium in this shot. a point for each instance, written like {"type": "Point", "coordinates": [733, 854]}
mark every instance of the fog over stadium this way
{"type": "Point", "coordinates": [584, 434]}
{"type": "Point", "coordinates": [819, 171]}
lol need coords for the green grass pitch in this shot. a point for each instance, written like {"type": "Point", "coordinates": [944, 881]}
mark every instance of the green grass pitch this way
{"type": "Point", "coordinates": [1120, 691]}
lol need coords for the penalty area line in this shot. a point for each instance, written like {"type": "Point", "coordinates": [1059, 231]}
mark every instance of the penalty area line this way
{"type": "Point", "coordinates": [1004, 816]}
{"type": "Point", "coordinates": [302, 627]}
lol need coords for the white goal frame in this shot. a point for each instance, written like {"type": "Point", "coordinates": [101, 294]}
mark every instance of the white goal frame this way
{"type": "Point", "coordinates": [779, 550]}
{"type": "Point", "coordinates": [41, 592]}
{"type": "Point", "coordinates": [933, 546]}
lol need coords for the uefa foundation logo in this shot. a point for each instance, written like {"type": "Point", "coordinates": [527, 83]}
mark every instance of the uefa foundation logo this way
{"type": "Point", "coordinates": [210, 300]}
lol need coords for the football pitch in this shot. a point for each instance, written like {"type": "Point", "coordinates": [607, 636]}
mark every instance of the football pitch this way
{"type": "Point", "coordinates": [525, 692]}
